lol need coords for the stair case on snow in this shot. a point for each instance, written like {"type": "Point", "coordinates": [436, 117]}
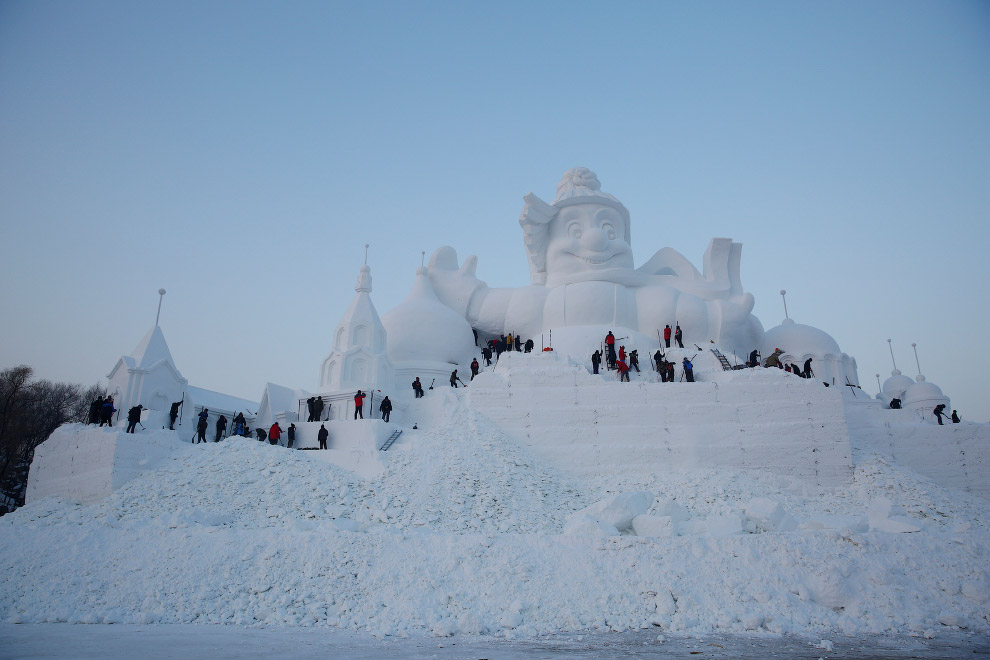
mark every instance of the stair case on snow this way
{"type": "Point", "coordinates": [391, 439]}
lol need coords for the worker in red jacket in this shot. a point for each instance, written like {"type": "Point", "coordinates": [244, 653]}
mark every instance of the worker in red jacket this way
{"type": "Point", "coordinates": [274, 433]}
{"type": "Point", "coordinates": [666, 335]}
{"type": "Point", "coordinates": [623, 370]}
{"type": "Point", "coordinates": [359, 404]}
{"type": "Point", "coordinates": [610, 350]}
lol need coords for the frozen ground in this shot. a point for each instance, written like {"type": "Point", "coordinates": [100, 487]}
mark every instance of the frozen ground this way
{"type": "Point", "coordinates": [181, 642]}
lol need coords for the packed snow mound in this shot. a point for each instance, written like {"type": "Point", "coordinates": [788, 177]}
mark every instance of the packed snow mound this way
{"type": "Point", "coordinates": [466, 531]}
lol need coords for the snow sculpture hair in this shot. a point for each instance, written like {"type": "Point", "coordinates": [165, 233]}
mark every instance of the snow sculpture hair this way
{"type": "Point", "coordinates": [579, 185]}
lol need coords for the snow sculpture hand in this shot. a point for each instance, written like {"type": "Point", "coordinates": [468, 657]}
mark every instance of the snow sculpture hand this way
{"type": "Point", "coordinates": [736, 319]}
{"type": "Point", "coordinates": [454, 285]}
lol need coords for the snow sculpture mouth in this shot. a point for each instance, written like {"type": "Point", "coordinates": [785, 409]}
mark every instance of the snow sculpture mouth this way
{"type": "Point", "coordinates": [595, 261]}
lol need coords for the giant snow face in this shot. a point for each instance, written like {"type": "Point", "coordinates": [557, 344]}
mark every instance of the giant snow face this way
{"type": "Point", "coordinates": [587, 237]}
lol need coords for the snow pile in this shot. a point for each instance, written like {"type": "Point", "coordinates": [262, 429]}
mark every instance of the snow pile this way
{"type": "Point", "coordinates": [468, 530]}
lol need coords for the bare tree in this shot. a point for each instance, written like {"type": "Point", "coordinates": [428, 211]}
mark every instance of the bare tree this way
{"type": "Point", "coordinates": [29, 413]}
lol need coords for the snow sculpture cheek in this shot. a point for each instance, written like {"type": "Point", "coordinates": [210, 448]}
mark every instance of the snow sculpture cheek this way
{"type": "Point", "coordinates": [586, 237]}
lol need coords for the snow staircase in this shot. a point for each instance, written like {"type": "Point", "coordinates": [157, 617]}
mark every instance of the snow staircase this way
{"type": "Point", "coordinates": [747, 420]}
{"type": "Point", "coordinates": [391, 439]}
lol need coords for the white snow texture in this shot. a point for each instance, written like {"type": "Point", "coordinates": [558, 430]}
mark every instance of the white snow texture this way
{"type": "Point", "coordinates": [499, 517]}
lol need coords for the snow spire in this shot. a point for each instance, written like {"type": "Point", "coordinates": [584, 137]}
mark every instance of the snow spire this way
{"type": "Point", "coordinates": [364, 280]}
{"type": "Point", "coordinates": [896, 371]}
{"type": "Point", "coordinates": [787, 319]}
{"type": "Point", "coordinates": [161, 294]}
{"type": "Point", "coordinates": [919, 377]}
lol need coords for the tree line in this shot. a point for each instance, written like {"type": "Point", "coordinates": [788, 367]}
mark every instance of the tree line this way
{"type": "Point", "coordinates": [30, 410]}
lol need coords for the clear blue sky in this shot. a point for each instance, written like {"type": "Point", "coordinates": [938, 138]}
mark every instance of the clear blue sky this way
{"type": "Point", "coordinates": [240, 155]}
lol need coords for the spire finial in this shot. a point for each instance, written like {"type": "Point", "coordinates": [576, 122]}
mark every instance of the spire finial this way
{"type": "Point", "coordinates": [783, 294]}
{"type": "Point", "coordinates": [919, 378]}
{"type": "Point", "coordinates": [896, 371]}
{"type": "Point", "coordinates": [161, 294]}
{"type": "Point", "coordinates": [422, 258]}
{"type": "Point", "coordinates": [366, 246]}
{"type": "Point", "coordinates": [878, 381]}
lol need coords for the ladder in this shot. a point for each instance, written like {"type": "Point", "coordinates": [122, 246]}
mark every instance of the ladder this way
{"type": "Point", "coordinates": [722, 360]}
{"type": "Point", "coordinates": [391, 439]}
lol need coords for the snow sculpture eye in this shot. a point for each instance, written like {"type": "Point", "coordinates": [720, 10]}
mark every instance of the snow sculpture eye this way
{"type": "Point", "coordinates": [574, 230]}
{"type": "Point", "coordinates": [609, 230]}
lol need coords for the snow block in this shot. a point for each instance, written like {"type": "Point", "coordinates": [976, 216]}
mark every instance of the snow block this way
{"type": "Point", "coordinates": [88, 463]}
{"type": "Point", "coordinates": [659, 526]}
{"type": "Point", "coordinates": [726, 525]}
{"type": "Point", "coordinates": [584, 525]}
{"type": "Point", "coordinates": [768, 515]}
{"type": "Point", "coordinates": [620, 510]}
{"type": "Point", "coordinates": [885, 517]}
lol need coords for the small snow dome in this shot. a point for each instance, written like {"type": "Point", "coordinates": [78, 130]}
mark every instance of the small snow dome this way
{"type": "Point", "coordinates": [923, 396]}
{"type": "Point", "coordinates": [421, 328]}
{"type": "Point", "coordinates": [896, 386]}
{"type": "Point", "coordinates": [798, 340]}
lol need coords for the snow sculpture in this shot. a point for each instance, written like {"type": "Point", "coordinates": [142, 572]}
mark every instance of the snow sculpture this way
{"type": "Point", "coordinates": [358, 359]}
{"type": "Point", "coordinates": [582, 273]}
{"type": "Point", "coordinates": [425, 337]}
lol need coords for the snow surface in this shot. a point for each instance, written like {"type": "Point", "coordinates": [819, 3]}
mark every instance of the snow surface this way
{"type": "Point", "coordinates": [469, 530]}
{"type": "Point", "coordinates": [125, 642]}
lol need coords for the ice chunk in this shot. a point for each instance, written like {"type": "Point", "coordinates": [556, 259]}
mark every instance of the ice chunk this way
{"type": "Point", "coordinates": [769, 515]}
{"type": "Point", "coordinates": [583, 525]}
{"type": "Point", "coordinates": [620, 510]}
{"type": "Point", "coordinates": [647, 525]}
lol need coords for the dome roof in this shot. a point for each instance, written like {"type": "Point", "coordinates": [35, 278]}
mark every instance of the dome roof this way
{"type": "Point", "coordinates": [923, 393]}
{"type": "Point", "coordinates": [421, 328]}
{"type": "Point", "coordinates": [798, 340]}
{"type": "Point", "coordinates": [897, 385]}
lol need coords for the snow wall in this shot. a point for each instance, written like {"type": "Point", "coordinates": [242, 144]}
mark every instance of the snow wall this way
{"type": "Point", "coordinates": [87, 463]}
{"type": "Point", "coordinates": [956, 455]}
{"type": "Point", "coordinates": [750, 419]}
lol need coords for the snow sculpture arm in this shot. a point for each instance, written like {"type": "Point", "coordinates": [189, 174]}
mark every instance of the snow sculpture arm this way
{"type": "Point", "coordinates": [496, 311]}
{"type": "Point", "coordinates": [456, 286]}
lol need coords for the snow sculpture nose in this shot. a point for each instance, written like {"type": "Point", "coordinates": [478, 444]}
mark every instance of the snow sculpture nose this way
{"type": "Point", "coordinates": [595, 239]}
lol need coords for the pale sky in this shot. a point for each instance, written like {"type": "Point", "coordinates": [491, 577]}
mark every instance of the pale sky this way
{"type": "Point", "coordinates": [240, 155]}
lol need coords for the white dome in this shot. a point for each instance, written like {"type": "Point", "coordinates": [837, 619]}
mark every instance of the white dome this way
{"type": "Point", "coordinates": [897, 385]}
{"type": "Point", "coordinates": [924, 394]}
{"type": "Point", "coordinates": [421, 328]}
{"type": "Point", "coordinates": [799, 340]}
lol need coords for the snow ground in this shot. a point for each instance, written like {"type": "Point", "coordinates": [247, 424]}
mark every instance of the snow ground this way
{"type": "Point", "coordinates": [468, 533]}
{"type": "Point", "coordinates": [180, 642]}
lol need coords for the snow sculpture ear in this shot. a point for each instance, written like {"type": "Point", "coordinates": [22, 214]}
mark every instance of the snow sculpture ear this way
{"type": "Point", "coordinates": [535, 222]}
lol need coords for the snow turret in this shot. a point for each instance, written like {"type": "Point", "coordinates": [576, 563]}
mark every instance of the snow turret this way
{"type": "Point", "coordinates": [800, 342]}
{"type": "Point", "coordinates": [895, 387]}
{"type": "Point", "coordinates": [425, 337]}
{"type": "Point", "coordinates": [148, 376]}
{"type": "Point", "coordinates": [358, 359]}
{"type": "Point", "coordinates": [923, 397]}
